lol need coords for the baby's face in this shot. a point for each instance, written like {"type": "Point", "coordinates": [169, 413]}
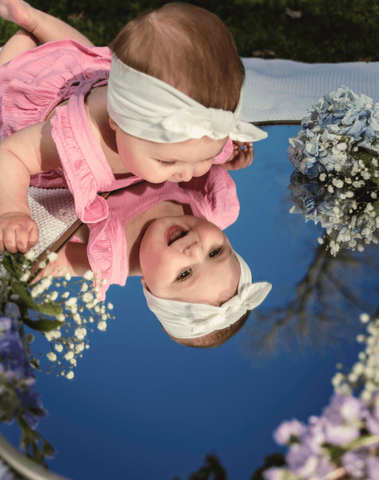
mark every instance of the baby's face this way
{"type": "Point", "coordinates": [158, 162]}
{"type": "Point", "coordinates": [188, 259]}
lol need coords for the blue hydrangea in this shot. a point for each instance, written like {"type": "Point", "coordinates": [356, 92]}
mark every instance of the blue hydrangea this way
{"type": "Point", "coordinates": [336, 181]}
{"type": "Point", "coordinates": [341, 119]}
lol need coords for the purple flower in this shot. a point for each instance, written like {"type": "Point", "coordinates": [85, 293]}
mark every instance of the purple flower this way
{"type": "Point", "coordinates": [15, 367]}
{"type": "Point", "coordinates": [354, 464]}
{"type": "Point", "coordinates": [273, 473]}
{"type": "Point", "coordinates": [343, 419]}
{"type": "Point", "coordinates": [372, 425]}
{"type": "Point", "coordinates": [287, 430]}
{"type": "Point", "coordinates": [302, 461]}
{"type": "Point", "coordinates": [373, 467]}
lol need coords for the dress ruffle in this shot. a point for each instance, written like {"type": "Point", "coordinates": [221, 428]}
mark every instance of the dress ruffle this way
{"type": "Point", "coordinates": [33, 83]}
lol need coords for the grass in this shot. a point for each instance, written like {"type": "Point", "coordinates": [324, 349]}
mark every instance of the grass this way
{"type": "Point", "coordinates": [325, 30]}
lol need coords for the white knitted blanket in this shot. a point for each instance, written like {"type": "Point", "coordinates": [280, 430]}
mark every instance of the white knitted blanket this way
{"type": "Point", "coordinates": [280, 90]}
{"type": "Point", "coordinates": [54, 212]}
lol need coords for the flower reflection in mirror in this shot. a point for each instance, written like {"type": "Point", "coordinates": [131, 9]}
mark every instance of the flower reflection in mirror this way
{"type": "Point", "coordinates": [343, 443]}
{"type": "Point", "coordinates": [62, 309]}
{"type": "Point", "coordinates": [336, 180]}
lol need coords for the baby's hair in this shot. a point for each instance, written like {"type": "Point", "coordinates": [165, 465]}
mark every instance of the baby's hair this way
{"type": "Point", "coordinates": [216, 338]}
{"type": "Point", "coordinates": [187, 47]}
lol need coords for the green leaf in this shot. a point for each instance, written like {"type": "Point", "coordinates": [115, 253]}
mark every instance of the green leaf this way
{"type": "Point", "coordinates": [334, 452]}
{"type": "Point", "coordinates": [365, 441]}
{"type": "Point", "coordinates": [44, 325]}
{"type": "Point", "coordinates": [26, 301]}
{"type": "Point", "coordinates": [35, 364]}
{"type": "Point", "coordinates": [287, 475]}
{"type": "Point", "coordinates": [8, 264]}
{"type": "Point", "coordinates": [48, 449]}
{"type": "Point", "coordinates": [50, 308]}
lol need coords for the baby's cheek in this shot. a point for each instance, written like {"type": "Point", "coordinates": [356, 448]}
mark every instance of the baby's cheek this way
{"type": "Point", "coordinates": [202, 169]}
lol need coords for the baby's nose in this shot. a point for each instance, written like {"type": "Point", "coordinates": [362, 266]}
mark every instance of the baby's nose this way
{"type": "Point", "coordinates": [185, 174]}
{"type": "Point", "coordinates": [193, 249]}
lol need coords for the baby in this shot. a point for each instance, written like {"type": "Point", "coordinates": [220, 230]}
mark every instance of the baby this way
{"type": "Point", "coordinates": [165, 106]}
{"type": "Point", "coordinates": [172, 236]}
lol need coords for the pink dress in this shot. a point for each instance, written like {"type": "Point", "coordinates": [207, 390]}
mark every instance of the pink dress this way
{"type": "Point", "coordinates": [212, 196]}
{"type": "Point", "coordinates": [35, 82]}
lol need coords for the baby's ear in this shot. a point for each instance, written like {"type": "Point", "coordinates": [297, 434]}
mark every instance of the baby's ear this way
{"type": "Point", "coordinates": [144, 284]}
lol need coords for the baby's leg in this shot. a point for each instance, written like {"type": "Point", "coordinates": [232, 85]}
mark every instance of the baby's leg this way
{"type": "Point", "coordinates": [19, 43]}
{"type": "Point", "coordinates": [42, 26]}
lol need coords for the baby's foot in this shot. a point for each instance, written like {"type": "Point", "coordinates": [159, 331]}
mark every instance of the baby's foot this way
{"type": "Point", "coordinates": [18, 12]}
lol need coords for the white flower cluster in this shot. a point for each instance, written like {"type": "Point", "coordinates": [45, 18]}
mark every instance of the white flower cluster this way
{"type": "Point", "coordinates": [80, 310]}
{"type": "Point", "coordinates": [78, 301]}
{"type": "Point", "coordinates": [352, 220]}
{"type": "Point", "coordinates": [364, 374]}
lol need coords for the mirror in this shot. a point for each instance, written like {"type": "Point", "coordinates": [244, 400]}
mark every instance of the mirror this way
{"type": "Point", "coordinates": [142, 406]}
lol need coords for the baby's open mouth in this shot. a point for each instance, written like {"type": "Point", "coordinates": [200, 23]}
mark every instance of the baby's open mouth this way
{"type": "Point", "coordinates": [174, 233]}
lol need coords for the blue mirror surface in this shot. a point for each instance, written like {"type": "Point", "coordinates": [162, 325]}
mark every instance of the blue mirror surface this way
{"type": "Point", "coordinates": [143, 407]}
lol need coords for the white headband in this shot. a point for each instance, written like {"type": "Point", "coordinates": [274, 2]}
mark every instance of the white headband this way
{"type": "Point", "coordinates": [192, 320]}
{"type": "Point", "coordinates": [148, 108]}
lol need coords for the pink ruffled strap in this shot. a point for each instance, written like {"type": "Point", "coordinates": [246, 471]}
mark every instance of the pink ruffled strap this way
{"type": "Point", "coordinates": [33, 83]}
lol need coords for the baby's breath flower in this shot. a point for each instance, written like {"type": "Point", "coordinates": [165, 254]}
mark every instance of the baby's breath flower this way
{"type": "Point", "coordinates": [69, 355]}
{"type": "Point", "coordinates": [51, 356]}
{"type": "Point", "coordinates": [88, 275]}
{"type": "Point", "coordinates": [102, 326]}
{"type": "Point", "coordinates": [52, 256]}
{"type": "Point", "coordinates": [25, 277]}
{"type": "Point", "coordinates": [364, 317]}
{"type": "Point", "coordinates": [30, 255]}
{"type": "Point", "coordinates": [71, 301]}
{"type": "Point", "coordinates": [80, 333]}
{"type": "Point", "coordinates": [67, 277]}
{"type": "Point", "coordinates": [59, 347]}
{"type": "Point", "coordinates": [70, 375]}
{"type": "Point", "coordinates": [87, 297]}
{"type": "Point", "coordinates": [110, 306]}
{"type": "Point", "coordinates": [84, 287]}
{"type": "Point", "coordinates": [60, 317]}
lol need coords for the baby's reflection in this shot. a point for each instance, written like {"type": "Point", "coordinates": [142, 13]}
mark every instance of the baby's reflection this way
{"type": "Point", "coordinates": [171, 235]}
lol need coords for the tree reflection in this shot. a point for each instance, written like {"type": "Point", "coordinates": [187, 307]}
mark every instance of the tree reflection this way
{"type": "Point", "coordinates": [329, 298]}
{"type": "Point", "coordinates": [213, 470]}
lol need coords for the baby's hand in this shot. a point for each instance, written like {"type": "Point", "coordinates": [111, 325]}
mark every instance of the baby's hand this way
{"type": "Point", "coordinates": [240, 158]}
{"type": "Point", "coordinates": [18, 232]}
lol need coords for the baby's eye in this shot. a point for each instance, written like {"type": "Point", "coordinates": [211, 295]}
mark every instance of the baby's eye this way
{"type": "Point", "coordinates": [166, 163]}
{"type": "Point", "coordinates": [185, 274]}
{"type": "Point", "coordinates": [215, 253]}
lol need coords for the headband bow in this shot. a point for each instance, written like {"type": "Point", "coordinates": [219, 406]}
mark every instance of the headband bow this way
{"type": "Point", "coordinates": [148, 108]}
{"type": "Point", "coordinates": [191, 320]}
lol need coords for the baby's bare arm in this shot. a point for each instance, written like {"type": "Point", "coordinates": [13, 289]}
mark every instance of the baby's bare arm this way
{"type": "Point", "coordinates": [28, 151]}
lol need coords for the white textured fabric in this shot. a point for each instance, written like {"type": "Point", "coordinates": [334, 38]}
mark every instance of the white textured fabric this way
{"type": "Point", "coordinates": [192, 320]}
{"type": "Point", "coordinates": [148, 108]}
{"type": "Point", "coordinates": [53, 210]}
{"type": "Point", "coordinates": [280, 90]}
